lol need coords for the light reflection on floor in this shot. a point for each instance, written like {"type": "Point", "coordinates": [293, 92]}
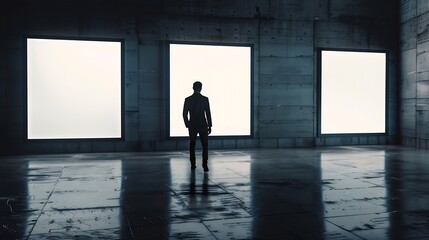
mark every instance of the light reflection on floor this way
{"type": "Point", "coordinates": [75, 196]}
{"type": "Point", "coordinates": [369, 192]}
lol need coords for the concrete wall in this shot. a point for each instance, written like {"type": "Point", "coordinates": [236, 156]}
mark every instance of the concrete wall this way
{"type": "Point", "coordinates": [285, 34]}
{"type": "Point", "coordinates": [414, 78]}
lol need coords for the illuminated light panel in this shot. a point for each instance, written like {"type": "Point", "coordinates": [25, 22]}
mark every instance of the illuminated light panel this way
{"type": "Point", "coordinates": [353, 92]}
{"type": "Point", "coordinates": [73, 89]}
{"type": "Point", "coordinates": [225, 72]}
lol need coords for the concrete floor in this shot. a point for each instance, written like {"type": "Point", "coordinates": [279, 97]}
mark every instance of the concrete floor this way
{"type": "Point", "coordinates": [369, 192]}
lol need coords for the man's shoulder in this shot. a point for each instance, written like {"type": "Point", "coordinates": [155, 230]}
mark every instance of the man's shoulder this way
{"type": "Point", "coordinates": [196, 97]}
{"type": "Point", "coordinates": [189, 98]}
{"type": "Point", "coordinates": [204, 97]}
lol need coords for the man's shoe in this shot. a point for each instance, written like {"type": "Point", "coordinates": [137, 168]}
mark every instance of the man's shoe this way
{"type": "Point", "coordinates": [193, 167]}
{"type": "Point", "coordinates": [205, 167]}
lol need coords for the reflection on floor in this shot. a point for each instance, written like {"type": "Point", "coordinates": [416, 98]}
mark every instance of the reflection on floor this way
{"type": "Point", "coordinates": [370, 192]}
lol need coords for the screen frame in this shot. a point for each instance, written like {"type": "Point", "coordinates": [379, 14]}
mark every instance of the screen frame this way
{"type": "Point", "coordinates": [319, 93]}
{"type": "Point", "coordinates": [251, 46]}
{"type": "Point", "coordinates": [25, 86]}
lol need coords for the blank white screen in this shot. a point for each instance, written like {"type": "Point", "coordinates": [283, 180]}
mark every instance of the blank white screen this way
{"type": "Point", "coordinates": [74, 89]}
{"type": "Point", "coordinates": [225, 72]}
{"type": "Point", "coordinates": [353, 92]}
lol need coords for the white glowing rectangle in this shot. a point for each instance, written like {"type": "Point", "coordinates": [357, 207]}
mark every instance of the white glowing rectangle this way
{"type": "Point", "coordinates": [353, 92]}
{"type": "Point", "coordinates": [73, 89]}
{"type": "Point", "coordinates": [225, 72]}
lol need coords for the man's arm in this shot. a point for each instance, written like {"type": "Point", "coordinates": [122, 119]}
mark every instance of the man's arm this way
{"type": "Point", "coordinates": [185, 113]}
{"type": "Point", "coordinates": [208, 114]}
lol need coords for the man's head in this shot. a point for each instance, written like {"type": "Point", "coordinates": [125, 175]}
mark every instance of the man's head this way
{"type": "Point", "coordinates": [197, 86]}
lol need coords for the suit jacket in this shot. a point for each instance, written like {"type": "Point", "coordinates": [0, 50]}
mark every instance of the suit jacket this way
{"type": "Point", "coordinates": [199, 110]}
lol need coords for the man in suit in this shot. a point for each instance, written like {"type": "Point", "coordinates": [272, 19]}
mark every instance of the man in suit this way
{"type": "Point", "coordinates": [199, 122]}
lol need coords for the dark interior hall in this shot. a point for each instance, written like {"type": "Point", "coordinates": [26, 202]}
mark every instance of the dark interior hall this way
{"type": "Point", "coordinates": [107, 156]}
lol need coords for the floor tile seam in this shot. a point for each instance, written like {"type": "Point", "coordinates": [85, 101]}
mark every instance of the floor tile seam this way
{"type": "Point", "coordinates": [92, 230]}
{"type": "Point", "coordinates": [375, 184]}
{"type": "Point", "coordinates": [355, 188]}
{"type": "Point", "coordinates": [351, 232]}
{"type": "Point", "coordinates": [276, 214]}
{"type": "Point", "coordinates": [97, 229]}
{"type": "Point", "coordinates": [360, 214]}
{"type": "Point", "coordinates": [347, 177]}
{"type": "Point", "coordinates": [237, 198]}
{"type": "Point", "coordinates": [208, 229]}
{"type": "Point", "coordinates": [177, 195]}
{"type": "Point", "coordinates": [214, 184]}
{"type": "Point", "coordinates": [80, 209]}
{"type": "Point", "coordinates": [238, 173]}
{"type": "Point", "coordinates": [251, 218]}
{"type": "Point", "coordinates": [200, 217]}
{"type": "Point", "coordinates": [46, 203]}
{"type": "Point", "coordinates": [96, 178]}
{"type": "Point", "coordinates": [221, 219]}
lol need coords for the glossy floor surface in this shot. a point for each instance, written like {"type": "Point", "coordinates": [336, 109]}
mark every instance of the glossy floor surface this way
{"type": "Point", "coordinates": [370, 192]}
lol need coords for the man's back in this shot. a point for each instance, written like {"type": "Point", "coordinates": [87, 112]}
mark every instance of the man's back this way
{"type": "Point", "coordinates": [199, 110]}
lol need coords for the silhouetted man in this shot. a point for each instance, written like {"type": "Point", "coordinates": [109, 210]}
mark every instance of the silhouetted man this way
{"type": "Point", "coordinates": [199, 122]}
